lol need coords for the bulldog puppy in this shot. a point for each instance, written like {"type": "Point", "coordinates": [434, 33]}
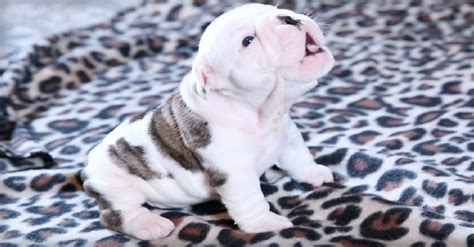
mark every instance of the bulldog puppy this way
{"type": "Point", "coordinates": [226, 126]}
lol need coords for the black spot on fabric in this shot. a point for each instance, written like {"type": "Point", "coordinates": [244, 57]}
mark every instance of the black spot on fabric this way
{"type": "Point", "coordinates": [88, 63]}
{"type": "Point", "coordinates": [333, 229]}
{"type": "Point", "coordinates": [50, 85]}
{"type": "Point", "coordinates": [319, 193]}
{"type": "Point", "coordinates": [305, 221]}
{"type": "Point", "coordinates": [412, 135]}
{"type": "Point", "coordinates": [228, 223]}
{"type": "Point", "coordinates": [457, 197]}
{"type": "Point", "coordinates": [42, 234]}
{"type": "Point", "coordinates": [67, 222]}
{"type": "Point", "coordinates": [194, 232]}
{"type": "Point", "coordinates": [82, 76]}
{"type": "Point", "coordinates": [70, 150]}
{"type": "Point", "coordinates": [62, 67]}
{"type": "Point", "coordinates": [67, 126]}
{"type": "Point", "coordinates": [300, 232]}
{"type": "Point", "coordinates": [434, 172]}
{"type": "Point", "coordinates": [15, 183]}
{"type": "Point", "coordinates": [433, 212]}
{"type": "Point", "coordinates": [334, 158]}
{"type": "Point", "coordinates": [345, 214]}
{"type": "Point", "coordinates": [452, 87]}
{"type": "Point", "coordinates": [114, 240]}
{"type": "Point", "coordinates": [409, 197]}
{"type": "Point", "coordinates": [360, 165]}
{"type": "Point", "coordinates": [357, 189]}
{"type": "Point", "coordinates": [94, 226]}
{"type": "Point", "coordinates": [229, 237]}
{"type": "Point", "coordinates": [140, 54]}
{"type": "Point", "coordinates": [428, 117]}
{"type": "Point", "coordinates": [438, 244]}
{"type": "Point", "coordinates": [6, 127]}
{"type": "Point", "coordinates": [455, 161]}
{"type": "Point", "coordinates": [422, 100]}
{"type": "Point", "coordinates": [87, 214]}
{"type": "Point", "coordinates": [341, 200]}
{"type": "Point", "coordinates": [73, 242]}
{"type": "Point", "coordinates": [8, 214]}
{"type": "Point", "coordinates": [174, 12]}
{"type": "Point", "coordinates": [436, 229]}
{"type": "Point", "coordinates": [465, 115]}
{"type": "Point", "coordinates": [109, 112]}
{"type": "Point", "coordinates": [440, 133]}
{"type": "Point", "coordinates": [434, 189]}
{"type": "Point", "coordinates": [343, 90]}
{"type": "Point", "coordinates": [385, 226]}
{"type": "Point", "coordinates": [55, 209]}
{"type": "Point", "coordinates": [393, 144]}
{"type": "Point", "coordinates": [393, 179]}
{"type": "Point", "coordinates": [293, 185]}
{"type": "Point", "coordinates": [207, 208]}
{"type": "Point", "coordinates": [287, 202]}
{"type": "Point", "coordinates": [364, 137]}
{"type": "Point", "coordinates": [155, 43]}
{"type": "Point", "coordinates": [404, 161]}
{"type": "Point", "coordinates": [465, 215]}
{"type": "Point", "coordinates": [124, 49]}
{"type": "Point", "coordinates": [470, 240]}
{"type": "Point", "coordinates": [301, 211]}
{"type": "Point", "coordinates": [368, 104]}
{"type": "Point", "coordinates": [348, 240]}
{"type": "Point", "coordinates": [98, 56]}
{"type": "Point", "coordinates": [112, 62]}
{"type": "Point", "coordinates": [268, 189]}
{"type": "Point", "coordinates": [389, 122]}
{"type": "Point", "coordinates": [44, 182]}
{"type": "Point", "coordinates": [432, 148]}
{"type": "Point", "coordinates": [447, 123]}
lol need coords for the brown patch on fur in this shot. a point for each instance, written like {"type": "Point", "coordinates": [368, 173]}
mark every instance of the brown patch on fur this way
{"type": "Point", "coordinates": [178, 132]}
{"type": "Point", "coordinates": [216, 177]}
{"type": "Point", "coordinates": [111, 219]}
{"type": "Point", "coordinates": [132, 159]}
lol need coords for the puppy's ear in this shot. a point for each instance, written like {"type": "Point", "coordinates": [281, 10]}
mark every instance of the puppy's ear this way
{"type": "Point", "coordinates": [203, 76]}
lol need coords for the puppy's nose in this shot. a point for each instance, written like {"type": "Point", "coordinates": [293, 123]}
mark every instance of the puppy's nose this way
{"type": "Point", "coordinates": [286, 19]}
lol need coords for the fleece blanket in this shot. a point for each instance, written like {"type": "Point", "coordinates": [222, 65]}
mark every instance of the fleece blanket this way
{"type": "Point", "coordinates": [394, 121]}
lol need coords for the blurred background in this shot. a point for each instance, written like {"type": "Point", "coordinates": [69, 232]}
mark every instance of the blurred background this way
{"type": "Point", "coordinates": [25, 22]}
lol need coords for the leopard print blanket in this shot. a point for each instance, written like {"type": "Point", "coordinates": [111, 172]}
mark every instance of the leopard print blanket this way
{"type": "Point", "coordinates": [394, 121]}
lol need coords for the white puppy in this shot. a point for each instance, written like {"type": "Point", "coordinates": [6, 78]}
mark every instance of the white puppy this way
{"type": "Point", "coordinates": [226, 126]}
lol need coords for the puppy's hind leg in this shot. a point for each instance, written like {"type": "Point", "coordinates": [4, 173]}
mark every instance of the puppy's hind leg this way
{"type": "Point", "coordinates": [121, 210]}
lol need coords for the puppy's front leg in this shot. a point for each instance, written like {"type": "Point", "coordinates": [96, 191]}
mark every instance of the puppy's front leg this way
{"type": "Point", "coordinates": [246, 204]}
{"type": "Point", "coordinates": [296, 159]}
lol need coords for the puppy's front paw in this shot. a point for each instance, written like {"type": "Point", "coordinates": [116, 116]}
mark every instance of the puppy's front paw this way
{"type": "Point", "coordinates": [315, 175]}
{"type": "Point", "coordinates": [269, 222]}
{"type": "Point", "coordinates": [149, 226]}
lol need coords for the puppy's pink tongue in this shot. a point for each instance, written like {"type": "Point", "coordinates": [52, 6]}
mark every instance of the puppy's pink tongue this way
{"type": "Point", "coordinates": [312, 48]}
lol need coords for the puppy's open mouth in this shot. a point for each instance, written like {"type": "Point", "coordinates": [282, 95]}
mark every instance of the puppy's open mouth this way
{"type": "Point", "coordinates": [311, 47]}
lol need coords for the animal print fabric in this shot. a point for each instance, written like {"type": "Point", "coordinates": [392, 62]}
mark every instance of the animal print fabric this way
{"type": "Point", "coordinates": [394, 121]}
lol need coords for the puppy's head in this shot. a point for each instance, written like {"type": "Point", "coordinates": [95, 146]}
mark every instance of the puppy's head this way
{"type": "Point", "coordinates": [246, 50]}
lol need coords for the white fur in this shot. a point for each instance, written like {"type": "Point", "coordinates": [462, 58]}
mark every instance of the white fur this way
{"type": "Point", "coordinates": [249, 123]}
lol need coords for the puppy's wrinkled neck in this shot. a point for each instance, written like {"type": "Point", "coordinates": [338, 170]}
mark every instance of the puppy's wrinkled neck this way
{"type": "Point", "coordinates": [227, 111]}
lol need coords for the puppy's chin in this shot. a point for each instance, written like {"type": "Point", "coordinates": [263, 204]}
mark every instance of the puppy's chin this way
{"type": "Point", "coordinates": [316, 65]}
{"type": "Point", "coordinates": [310, 68]}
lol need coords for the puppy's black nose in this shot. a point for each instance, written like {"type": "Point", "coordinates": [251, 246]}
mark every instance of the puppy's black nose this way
{"type": "Point", "coordinates": [290, 21]}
